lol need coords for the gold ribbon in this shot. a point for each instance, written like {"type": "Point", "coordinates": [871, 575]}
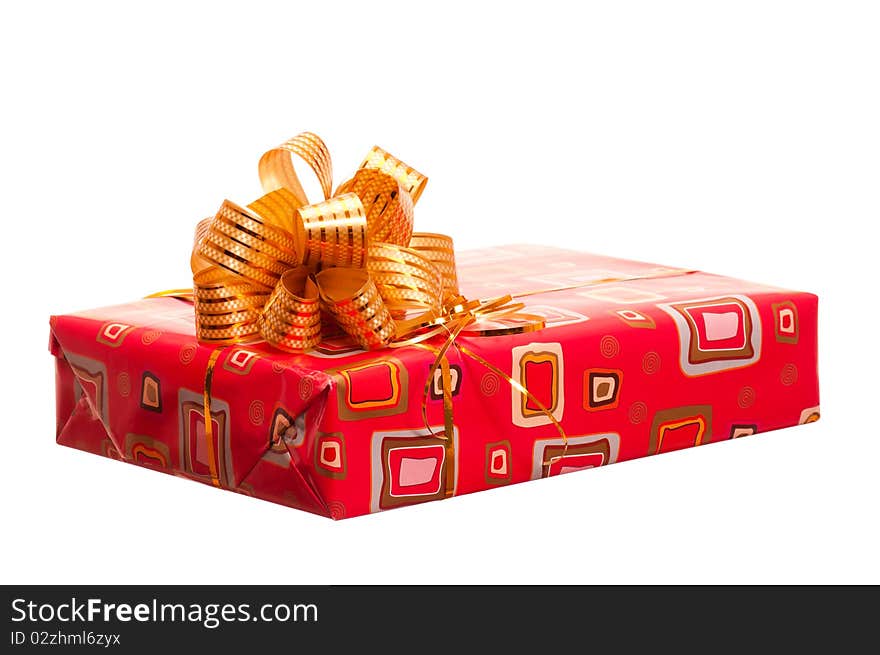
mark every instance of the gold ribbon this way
{"type": "Point", "coordinates": [209, 421]}
{"type": "Point", "coordinates": [280, 268]}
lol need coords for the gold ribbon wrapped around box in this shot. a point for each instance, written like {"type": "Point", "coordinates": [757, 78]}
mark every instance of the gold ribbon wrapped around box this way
{"type": "Point", "coordinates": [242, 255]}
{"type": "Point", "coordinates": [271, 270]}
{"type": "Point", "coordinates": [265, 271]}
{"type": "Point", "coordinates": [277, 269]}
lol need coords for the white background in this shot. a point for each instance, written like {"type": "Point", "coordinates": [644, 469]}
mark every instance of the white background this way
{"type": "Point", "coordinates": [741, 138]}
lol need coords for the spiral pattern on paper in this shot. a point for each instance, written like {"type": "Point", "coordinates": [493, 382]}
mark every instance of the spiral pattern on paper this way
{"type": "Point", "coordinates": [489, 384]}
{"type": "Point", "coordinates": [306, 387]}
{"type": "Point", "coordinates": [187, 353]}
{"type": "Point", "coordinates": [257, 412]}
{"type": "Point", "coordinates": [609, 346]}
{"type": "Point", "coordinates": [123, 384]}
{"type": "Point", "coordinates": [789, 375]}
{"type": "Point", "coordinates": [746, 397]}
{"type": "Point", "coordinates": [651, 363]}
{"type": "Point", "coordinates": [150, 336]}
{"type": "Point", "coordinates": [638, 412]}
{"type": "Point", "coordinates": [337, 510]}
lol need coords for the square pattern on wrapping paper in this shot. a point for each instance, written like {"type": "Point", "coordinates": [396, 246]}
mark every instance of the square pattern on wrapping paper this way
{"type": "Point", "coordinates": [499, 469]}
{"type": "Point", "coordinates": [680, 427]}
{"type": "Point", "coordinates": [602, 388]}
{"type": "Point", "coordinates": [553, 456]}
{"type": "Point", "coordinates": [195, 453]}
{"type": "Point", "coordinates": [372, 388]}
{"type": "Point", "coordinates": [540, 368]}
{"type": "Point", "coordinates": [411, 466]}
{"type": "Point", "coordinates": [716, 334]}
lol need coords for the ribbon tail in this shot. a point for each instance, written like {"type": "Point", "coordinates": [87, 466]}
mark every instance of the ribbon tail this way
{"type": "Point", "coordinates": [464, 350]}
{"type": "Point", "coordinates": [180, 294]}
{"type": "Point", "coordinates": [448, 426]}
{"type": "Point", "coordinates": [209, 422]}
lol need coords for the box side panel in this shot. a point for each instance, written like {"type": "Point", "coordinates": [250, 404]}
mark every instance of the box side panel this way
{"type": "Point", "coordinates": [374, 402]}
{"type": "Point", "coordinates": [705, 361]}
{"type": "Point", "coordinates": [285, 473]}
{"type": "Point", "coordinates": [135, 393]}
{"type": "Point", "coordinates": [638, 379]}
{"type": "Point", "coordinates": [67, 394]}
{"type": "Point", "coordinates": [638, 366]}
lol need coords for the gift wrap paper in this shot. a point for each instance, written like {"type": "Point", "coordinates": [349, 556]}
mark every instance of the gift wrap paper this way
{"type": "Point", "coordinates": [635, 359]}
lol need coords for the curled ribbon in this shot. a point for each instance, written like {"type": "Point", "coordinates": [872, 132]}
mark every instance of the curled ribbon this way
{"type": "Point", "coordinates": [281, 269]}
{"type": "Point", "coordinates": [284, 270]}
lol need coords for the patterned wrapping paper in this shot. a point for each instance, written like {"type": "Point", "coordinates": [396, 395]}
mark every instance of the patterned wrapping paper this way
{"type": "Point", "coordinates": [630, 368]}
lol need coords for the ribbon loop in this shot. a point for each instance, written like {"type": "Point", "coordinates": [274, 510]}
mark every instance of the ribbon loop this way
{"type": "Point", "coordinates": [351, 296]}
{"type": "Point", "coordinates": [291, 320]}
{"type": "Point", "coordinates": [438, 249]}
{"type": "Point", "coordinates": [276, 166]}
{"type": "Point", "coordinates": [388, 205]}
{"type": "Point", "coordinates": [227, 307]}
{"type": "Point", "coordinates": [408, 177]}
{"type": "Point", "coordinates": [238, 241]}
{"type": "Point", "coordinates": [334, 233]}
{"type": "Point", "coordinates": [405, 279]}
{"type": "Point", "coordinates": [278, 209]}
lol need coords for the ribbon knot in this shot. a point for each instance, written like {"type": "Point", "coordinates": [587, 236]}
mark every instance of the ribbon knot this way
{"type": "Point", "coordinates": [284, 270]}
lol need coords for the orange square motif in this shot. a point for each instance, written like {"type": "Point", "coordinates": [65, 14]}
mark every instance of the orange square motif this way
{"type": "Point", "coordinates": [539, 367]}
{"type": "Point", "coordinates": [602, 388]}
{"type": "Point", "coordinates": [378, 387]}
{"type": "Point", "coordinates": [680, 427]}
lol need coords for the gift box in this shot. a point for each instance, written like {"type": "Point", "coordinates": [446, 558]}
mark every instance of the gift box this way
{"type": "Point", "coordinates": [331, 359]}
{"type": "Point", "coordinates": [633, 359]}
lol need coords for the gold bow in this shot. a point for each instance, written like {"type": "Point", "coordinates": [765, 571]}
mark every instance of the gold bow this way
{"type": "Point", "coordinates": [272, 270]}
{"type": "Point", "coordinates": [287, 271]}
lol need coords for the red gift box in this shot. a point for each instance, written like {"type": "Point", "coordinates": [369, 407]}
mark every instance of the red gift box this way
{"type": "Point", "coordinates": [634, 359]}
